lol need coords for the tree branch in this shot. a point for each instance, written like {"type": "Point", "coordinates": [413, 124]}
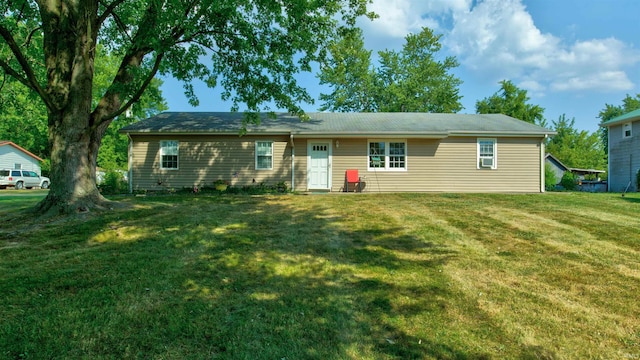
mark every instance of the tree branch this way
{"type": "Point", "coordinates": [28, 41]}
{"type": "Point", "coordinates": [9, 71]}
{"type": "Point", "coordinates": [108, 11]}
{"type": "Point", "coordinates": [134, 98]}
{"type": "Point", "coordinates": [141, 90]}
{"type": "Point", "coordinates": [30, 80]}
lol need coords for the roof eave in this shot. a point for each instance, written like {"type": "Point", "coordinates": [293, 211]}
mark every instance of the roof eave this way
{"type": "Point", "coordinates": [344, 134]}
{"type": "Point", "coordinates": [502, 134]}
{"type": "Point", "coordinates": [619, 122]}
{"type": "Point", "coordinates": [10, 143]}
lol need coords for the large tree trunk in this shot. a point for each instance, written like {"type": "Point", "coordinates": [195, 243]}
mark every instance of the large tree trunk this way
{"type": "Point", "coordinates": [74, 150]}
{"type": "Point", "coordinates": [75, 133]}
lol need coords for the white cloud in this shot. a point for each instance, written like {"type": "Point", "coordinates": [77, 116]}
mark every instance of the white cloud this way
{"type": "Point", "coordinates": [611, 80]}
{"type": "Point", "coordinates": [397, 18]}
{"type": "Point", "coordinates": [499, 40]}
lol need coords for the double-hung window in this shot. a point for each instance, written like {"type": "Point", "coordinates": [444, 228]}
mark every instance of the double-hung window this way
{"type": "Point", "coordinates": [264, 155]}
{"type": "Point", "coordinates": [387, 155]}
{"type": "Point", "coordinates": [487, 154]}
{"type": "Point", "coordinates": [169, 154]}
{"type": "Point", "coordinates": [626, 130]}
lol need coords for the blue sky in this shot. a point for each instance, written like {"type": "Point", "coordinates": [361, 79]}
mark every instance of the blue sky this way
{"type": "Point", "coordinates": [572, 57]}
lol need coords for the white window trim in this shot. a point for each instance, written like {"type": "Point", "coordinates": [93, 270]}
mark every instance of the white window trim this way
{"type": "Point", "coordinates": [625, 127]}
{"type": "Point", "coordinates": [256, 155]}
{"type": "Point", "coordinates": [162, 154]}
{"type": "Point", "coordinates": [386, 155]}
{"type": "Point", "coordinates": [495, 153]}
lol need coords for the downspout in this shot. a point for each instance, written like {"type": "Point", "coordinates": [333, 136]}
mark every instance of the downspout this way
{"type": "Point", "coordinates": [293, 158]}
{"type": "Point", "coordinates": [130, 160]}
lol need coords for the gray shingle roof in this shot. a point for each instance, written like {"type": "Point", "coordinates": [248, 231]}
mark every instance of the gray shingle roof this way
{"type": "Point", "coordinates": [339, 124]}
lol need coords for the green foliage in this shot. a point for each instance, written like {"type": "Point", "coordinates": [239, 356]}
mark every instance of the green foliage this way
{"type": "Point", "coordinates": [576, 149]}
{"type": "Point", "coordinates": [254, 49]}
{"type": "Point", "coordinates": [114, 147]}
{"type": "Point", "coordinates": [23, 118]}
{"type": "Point", "coordinates": [222, 187]}
{"type": "Point", "coordinates": [113, 183]}
{"type": "Point", "coordinates": [349, 72]}
{"type": "Point", "coordinates": [45, 167]}
{"type": "Point", "coordinates": [410, 80]}
{"type": "Point", "coordinates": [511, 101]}
{"type": "Point", "coordinates": [569, 181]}
{"type": "Point", "coordinates": [550, 180]}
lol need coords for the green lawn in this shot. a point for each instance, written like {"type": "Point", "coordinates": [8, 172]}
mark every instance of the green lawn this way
{"type": "Point", "coordinates": [371, 276]}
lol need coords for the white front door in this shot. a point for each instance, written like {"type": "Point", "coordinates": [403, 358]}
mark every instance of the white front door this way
{"type": "Point", "coordinates": [319, 165]}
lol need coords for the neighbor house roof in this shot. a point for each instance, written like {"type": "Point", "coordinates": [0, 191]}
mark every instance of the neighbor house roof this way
{"type": "Point", "coordinates": [624, 118]}
{"type": "Point", "coordinates": [563, 167]}
{"type": "Point", "coordinates": [27, 152]}
{"type": "Point", "coordinates": [557, 162]}
{"type": "Point", "coordinates": [340, 124]}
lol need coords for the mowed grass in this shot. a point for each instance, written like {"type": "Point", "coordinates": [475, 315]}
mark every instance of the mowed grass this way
{"type": "Point", "coordinates": [371, 276]}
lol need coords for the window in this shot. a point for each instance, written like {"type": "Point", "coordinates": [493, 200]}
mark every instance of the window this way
{"type": "Point", "coordinates": [17, 166]}
{"type": "Point", "coordinates": [487, 154]}
{"type": "Point", "coordinates": [264, 155]}
{"type": "Point", "coordinates": [169, 154]}
{"type": "Point", "coordinates": [387, 155]}
{"type": "Point", "coordinates": [626, 130]}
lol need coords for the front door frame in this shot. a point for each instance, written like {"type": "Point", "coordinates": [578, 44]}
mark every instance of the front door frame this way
{"type": "Point", "coordinates": [329, 144]}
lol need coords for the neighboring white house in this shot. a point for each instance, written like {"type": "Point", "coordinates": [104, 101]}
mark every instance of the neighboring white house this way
{"type": "Point", "coordinates": [624, 151]}
{"type": "Point", "coordinates": [13, 156]}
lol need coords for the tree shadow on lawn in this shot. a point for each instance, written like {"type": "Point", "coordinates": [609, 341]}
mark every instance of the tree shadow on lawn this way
{"type": "Point", "coordinates": [248, 277]}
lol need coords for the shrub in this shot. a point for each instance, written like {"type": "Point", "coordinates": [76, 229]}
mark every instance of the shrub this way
{"type": "Point", "coordinates": [550, 179]}
{"type": "Point", "coordinates": [45, 167]}
{"type": "Point", "coordinates": [569, 181]}
{"type": "Point", "coordinates": [113, 183]}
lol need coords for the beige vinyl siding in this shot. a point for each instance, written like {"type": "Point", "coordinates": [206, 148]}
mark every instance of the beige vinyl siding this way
{"type": "Point", "coordinates": [300, 168]}
{"type": "Point", "coordinates": [204, 159]}
{"type": "Point", "coordinates": [445, 165]}
{"type": "Point", "coordinates": [438, 165]}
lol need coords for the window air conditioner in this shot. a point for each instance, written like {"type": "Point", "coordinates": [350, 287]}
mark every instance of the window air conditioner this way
{"type": "Point", "coordinates": [486, 162]}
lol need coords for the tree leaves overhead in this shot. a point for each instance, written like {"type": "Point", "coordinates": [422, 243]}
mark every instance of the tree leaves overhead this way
{"type": "Point", "coordinates": [511, 101]}
{"type": "Point", "coordinates": [255, 47]}
{"type": "Point", "coordinates": [409, 80]}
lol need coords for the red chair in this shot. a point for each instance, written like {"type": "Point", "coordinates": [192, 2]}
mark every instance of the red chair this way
{"type": "Point", "coordinates": [351, 177]}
